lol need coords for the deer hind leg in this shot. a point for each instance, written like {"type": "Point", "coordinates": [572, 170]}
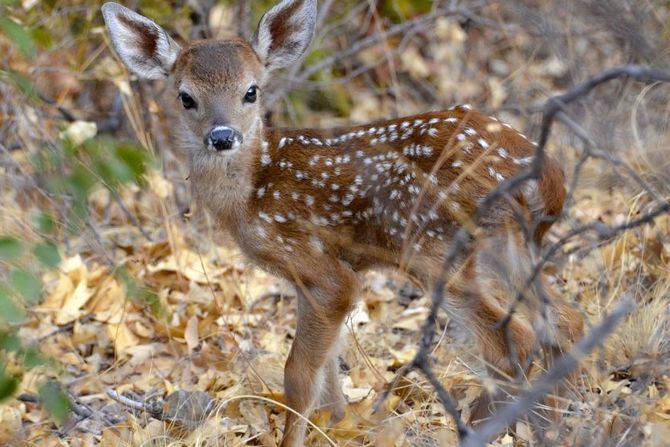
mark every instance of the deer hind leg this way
{"type": "Point", "coordinates": [476, 309]}
{"type": "Point", "coordinates": [506, 350]}
{"type": "Point", "coordinates": [565, 327]}
{"type": "Point", "coordinates": [310, 374]}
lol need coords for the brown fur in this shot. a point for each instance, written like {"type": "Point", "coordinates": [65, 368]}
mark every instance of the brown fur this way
{"type": "Point", "coordinates": [318, 207]}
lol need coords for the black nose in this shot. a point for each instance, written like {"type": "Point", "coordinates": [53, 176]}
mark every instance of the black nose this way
{"type": "Point", "coordinates": [224, 138]}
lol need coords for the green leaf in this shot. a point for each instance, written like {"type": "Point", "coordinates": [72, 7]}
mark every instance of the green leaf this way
{"type": "Point", "coordinates": [8, 385]}
{"type": "Point", "coordinates": [45, 223]}
{"type": "Point", "coordinates": [33, 358]}
{"type": "Point", "coordinates": [10, 311]}
{"type": "Point", "coordinates": [47, 254]}
{"type": "Point", "coordinates": [55, 401]}
{"type": "Point", "coordinates": [42, 37]}
{"type": "Point", "coordinates": [17, 34]}
{"type": "Point", "coordinates": [26, 284]}
{"type": "Point", "coordinates": [9, 341]}
{"type": "Point", "coordinates": [81, 181]}
{"type": "Point", "coordinates": [10, 248]}
{"type": "Point", "coordinates": [135, 158]}
{"type": "Point", "coordinates": [22, 83]}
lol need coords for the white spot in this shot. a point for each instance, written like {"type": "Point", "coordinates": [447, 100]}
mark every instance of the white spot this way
{"type": "Point", "coordinates": [276, 195]}
{"type": "Point", "coordinates": [470, 131]}
{"type": "Point", "coordinates": [460, 137]}
{"type": "Point", "coordinates": [502, 152]}
{"type": "Point", "coordinates": [432, 132]}
{"type": "Point", "coordinates": [260, 192]}
{"type": "Point", "coordinates": [526, 161]}
{"type": "Point", "coordinates": [451, 120]}
{"type": "Point", "coordinates": [280, 218]}
{"type": "Point", "coordinates": [282, 142]}
{"type": "Point", "coordinates": [309, 200]}
{"type": "Point", "coordinates": [266, 160]}
{"type": "Point", "coordinates": [335, 186]}
{"type": "Point", "coordinates": [457, 164]}
{"type": "Point", "coordinates": [483, 143]}
{"type": "Point", "coordinates": [316, 243]}
{"type": "Point", "coordinates": [265, 217]}
{"type": "Point", "coordinates": [492, 172]}
{"type": "Point", "coordinates": [295, 196]}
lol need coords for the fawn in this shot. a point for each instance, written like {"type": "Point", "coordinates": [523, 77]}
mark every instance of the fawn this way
{"type": "Point", "coordinates": [319, 206]}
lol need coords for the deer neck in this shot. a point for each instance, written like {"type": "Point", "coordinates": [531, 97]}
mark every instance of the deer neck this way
{"type": "Point", "coordinates": [223, 183]}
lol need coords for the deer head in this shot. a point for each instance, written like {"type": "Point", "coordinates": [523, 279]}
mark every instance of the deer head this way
{"type": "Point", "coordinates": [218, 84]}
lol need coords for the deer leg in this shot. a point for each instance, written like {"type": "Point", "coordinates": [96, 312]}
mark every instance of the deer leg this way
{"type": "Point", "coordinates": [332, 398]}
{"type": "Point", "coordinates": [503, 361]}
{"type": "Point", "coordinates": [311, 363]}
{"type": "Point", "coordinates": [567, 327]}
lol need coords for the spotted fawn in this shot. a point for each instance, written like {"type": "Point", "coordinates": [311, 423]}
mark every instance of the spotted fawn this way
{"type": "Point", "coordinates": [318, 207]}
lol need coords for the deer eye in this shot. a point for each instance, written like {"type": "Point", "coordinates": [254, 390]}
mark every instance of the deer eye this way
{"type": "Point", "coordinates": [187, 101]}
{"type": "Point", "coordinates": [251, 95]}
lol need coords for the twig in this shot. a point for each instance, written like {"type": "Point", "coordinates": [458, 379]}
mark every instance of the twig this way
{"type": "Point", "coordinates": [562, 368]}
{"type": "Point", "coordinates": [123, 400]}
{"type": "Point", "coordinates": [374, 40]}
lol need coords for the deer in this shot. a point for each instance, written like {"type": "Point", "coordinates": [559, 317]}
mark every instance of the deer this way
{"type": "Point", "coordinates": [318, 207]}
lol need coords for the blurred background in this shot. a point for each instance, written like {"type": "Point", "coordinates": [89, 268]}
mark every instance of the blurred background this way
{"type": "Point", "coordinates": [111, 279]}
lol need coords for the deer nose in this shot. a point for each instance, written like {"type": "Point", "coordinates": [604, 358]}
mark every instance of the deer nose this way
{"type": "Point", "coordinates": [223, 138]}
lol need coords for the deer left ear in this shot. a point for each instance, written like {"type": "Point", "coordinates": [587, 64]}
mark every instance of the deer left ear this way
{"type": "Point", "coordinates": [284, 32]}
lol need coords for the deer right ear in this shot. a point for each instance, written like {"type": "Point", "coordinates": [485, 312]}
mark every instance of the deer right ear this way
{"type": "Point", "coordinates": [145, 48]}
{"type": "Point", "coordinates": [284, 32]}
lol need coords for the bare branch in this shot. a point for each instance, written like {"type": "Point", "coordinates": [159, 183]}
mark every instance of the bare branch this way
{"type": "Point", "coordinates": [563, 367]}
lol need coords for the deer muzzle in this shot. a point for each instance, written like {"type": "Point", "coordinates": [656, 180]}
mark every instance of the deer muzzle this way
{"type": "Point", "coordinates": [223, 138]}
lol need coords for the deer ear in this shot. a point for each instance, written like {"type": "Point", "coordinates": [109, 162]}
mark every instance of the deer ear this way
{"type": "Point", "coordinates": [284, 32]}
{"type": "Point", "coordinates": [143, 46]}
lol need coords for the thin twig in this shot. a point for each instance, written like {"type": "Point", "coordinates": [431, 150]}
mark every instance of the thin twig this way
{"type": "Point", "coordinates": [561, 369]}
